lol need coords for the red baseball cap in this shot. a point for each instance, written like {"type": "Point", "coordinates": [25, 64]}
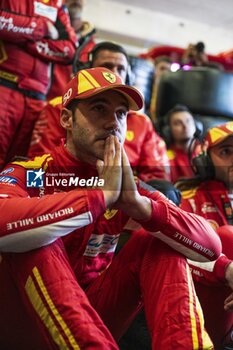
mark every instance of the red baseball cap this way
{"type": "Point", "coordinates": [93, 81]}
{"type": "Point", "coordinates": [219, 133]}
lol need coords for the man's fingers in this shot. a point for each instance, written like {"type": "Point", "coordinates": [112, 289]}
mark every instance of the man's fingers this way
{"type": "Point", "coordinates": [111, 150]}
{"type": "Point", "coordinates": [111, 170]}
{"type": "Point", "coordinates": [125, 160]}
{"type": "Point", "coordinates": [228, 303]}
{"type": "Point", "coordinates": [229, 298]}
{"type": "Point", "coordinates": [128, 177]}
{"type": "Point", "coordinates": [118, 152]}
{"type": "Point", "coordinates": [112, 154]}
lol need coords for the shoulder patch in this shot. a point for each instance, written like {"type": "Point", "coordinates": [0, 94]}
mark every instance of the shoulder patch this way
{"type": "Point", "coordinates": [171, 154]}
{"type": "Point", "coordinates": [189, 193]}
{"type": "Point", "coordinates": [129, 135]}
{"type": "Point", "coordinates": [56, 101]}
{"type": "Point", "coordinates": [110, 213]}
{"type": "Point", "coordinates": [35, 163]}
{"type": "Point", "coordinates": [8, 180]}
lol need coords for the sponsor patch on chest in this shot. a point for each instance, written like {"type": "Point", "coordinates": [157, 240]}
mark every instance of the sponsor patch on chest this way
{"type": "Point", "coordinates": [101, 244]}
{"type": "Point", "coordinates": [45, 11]}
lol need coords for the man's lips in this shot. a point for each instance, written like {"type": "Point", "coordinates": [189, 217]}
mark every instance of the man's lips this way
{"type": "Point", "coordinates": [102, 138]}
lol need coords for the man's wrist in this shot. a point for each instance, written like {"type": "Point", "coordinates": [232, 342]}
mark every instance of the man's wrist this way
{"type": "Point", "coordinates": [222, 269]}
{"type": "Point", "coordinates": [140, 209]}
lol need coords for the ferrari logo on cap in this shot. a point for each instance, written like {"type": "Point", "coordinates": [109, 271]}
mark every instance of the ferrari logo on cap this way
{"type": "Point", "coordinates": [109, 77]}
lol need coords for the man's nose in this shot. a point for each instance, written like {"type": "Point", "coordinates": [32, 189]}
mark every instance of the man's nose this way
{"type": "Point", "coordinates": [112, 122]}
{"type": "Point", "coordinates": [185, 126]}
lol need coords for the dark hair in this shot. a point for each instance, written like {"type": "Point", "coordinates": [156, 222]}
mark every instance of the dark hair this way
{"type": "Point", "coordinates": [107, 45]}
{"type": "Point", "coordinates": [72, 106]}
{"type": "Point", "coordinates": [200, 47]}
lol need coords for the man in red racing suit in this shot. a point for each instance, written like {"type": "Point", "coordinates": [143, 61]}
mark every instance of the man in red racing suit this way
{"type": "Point", "coordinates": [212, 199]}
{"type": "Point", "coordinates": [61, 287]}
{"type": "Point", "coordinates": [32, 35]}
{"type": "Point", "coordinates": [145, 149]}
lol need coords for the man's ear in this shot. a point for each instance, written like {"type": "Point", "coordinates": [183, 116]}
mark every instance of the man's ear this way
{"type": "Point", "coordinates": [66, 119]}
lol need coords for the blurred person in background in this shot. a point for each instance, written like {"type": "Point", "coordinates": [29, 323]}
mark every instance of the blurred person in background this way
{"type": "Point", "coordinates": [195, 55]}
{"type": "Point", "coordinates": [84, 30]}
{"type": "Point", "coordinates": [33, 35]}
{"type": "Point", "coordinates": [181, 133]}
{"type": "Point", "coordinates": [210, 196]}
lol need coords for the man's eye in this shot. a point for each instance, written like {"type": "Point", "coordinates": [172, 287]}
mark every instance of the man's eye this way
{"type": "Point", "coordinates": [225, 152]}
{"type": "Point", "coordinates": [98, 108]}
{"type": "Point", "coordinates": [122, 114]}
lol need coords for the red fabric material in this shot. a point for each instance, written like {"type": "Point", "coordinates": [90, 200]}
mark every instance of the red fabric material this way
{"type": "Point", "coordinates": [145, 148]}
{"type": "Point", "coordinates": [26, 57]}
{"type": "Point", "coordinates": [115, 285]}
{"type": "Point", "coordinates": [152, 280]}
{"type": "Point", "coordinates": [71, 303]}
{"type": "Point", "coordinates": [18, 116]}
{"type": "Point", "coordinates": [47, 132]}
{"type": "Point", "coordinates": [205, 200]}
{"type": "Point", "coordinates": [179, 164]}
{"type": "Point", "coordinates": [225, 232]}
{"type": "Point", "coordinates": [62, 74]}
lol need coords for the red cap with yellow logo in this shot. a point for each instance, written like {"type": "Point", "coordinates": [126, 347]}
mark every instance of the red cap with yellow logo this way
{"type": "Point", "coordinates": [90, 82]}
{"type": "Point", "coordinates": [219, 133]}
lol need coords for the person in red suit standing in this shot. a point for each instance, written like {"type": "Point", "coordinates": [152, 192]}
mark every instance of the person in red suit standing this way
{"type": "Point", "coordinates": [61, 74]}
{"type": "Point", "coordinates": [33, 35]}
